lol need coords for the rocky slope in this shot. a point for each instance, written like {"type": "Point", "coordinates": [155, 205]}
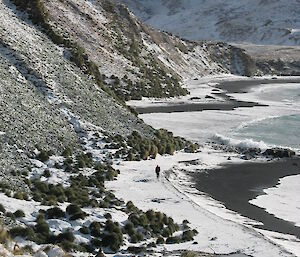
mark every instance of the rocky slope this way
{"type": "Point", "coordinates": [48, 86]}
{"type": "Point", "coordinates": [249, 21]}
{"type": "Point", "coordinates": [66, 68]}
{"type": "Point", "coordinates": [43, 95]}
{"type": "Point", "coordinates": [146, 62]}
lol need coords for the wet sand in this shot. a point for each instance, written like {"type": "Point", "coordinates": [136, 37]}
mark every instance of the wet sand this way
{"type": "Point", "coordinates": [235, 185]}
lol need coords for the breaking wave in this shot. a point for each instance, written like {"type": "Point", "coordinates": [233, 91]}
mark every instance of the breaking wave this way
{"type": "Point", "coordinates": [240, 143]}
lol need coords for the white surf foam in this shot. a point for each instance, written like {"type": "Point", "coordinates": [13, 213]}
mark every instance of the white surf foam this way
{"type": "Point", "coordinates": [240, 143]}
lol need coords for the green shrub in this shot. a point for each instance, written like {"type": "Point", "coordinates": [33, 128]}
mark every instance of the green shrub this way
{"type": "Point", "coordinates": [166, 232]}
{"type": "Point", "coordinates": [79, 215]}
{"type": "Point", "coordinates": [136, 250]}
{"type": "Point", "coordinates": [130, 207]}
{"type": "Point", "coordinates": [68, 246]}
{"type": "Point", "coordinates": [96, 242]}
{"type": "Point", "coordinates": [173, 240]}
{"type": "Point", "coordinates": [10, 215]}
{"type": "Point", "coordinates": [188, 235]}
{"type": "Point", "coordinates": [65, 236]}
{"type": "Point", "coordinates": [75, 212]}
{"type": "Point", "coordinates": [25, 232]}
{"type": "Point", "coordinates": [151, 245]}
{"type": "Point", "coordinates": [107, 216]}
{"type": "Point", "coordinates": [42, 228]}
{"type": "Point", "coordinates": [18, 195]}
{"type": "Point", "coordinates": [113, 241]}
{"type": "Point", "coordinates": [55, 213]}
{"type": "Point", "coordinates": [46, 173]}
{"type": "Point", "coordinates": [160, 240]}
{"type": "Point", "coordinates": [112, 236]}
{"type": "Point", "coordinates": [84, 230]}
{"type": "Point", "coordinates": [95, 229]}
{"type": "Point", "coordinates": [129, 228]}
{"type": "Point", "coordinates": [19, 214]}
{"type": "Point", "coordinates": [67, 152]}
{"type": "Point", "coordinates": [2, 209]}
{"type": "Point", "coordinates": [43, 156]}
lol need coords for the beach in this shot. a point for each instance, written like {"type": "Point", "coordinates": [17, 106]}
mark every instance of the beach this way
{"type": "Point", "coordinates": [235, 185]}
{"type": "Point", "coordinates": [221, 192]}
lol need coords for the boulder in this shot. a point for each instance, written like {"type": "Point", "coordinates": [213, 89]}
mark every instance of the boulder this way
{"type": "Point", "coordinates": [279, 152]}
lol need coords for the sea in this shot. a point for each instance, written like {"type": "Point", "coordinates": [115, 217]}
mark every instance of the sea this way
{"type": "Point", "coordinates": [281, 129]}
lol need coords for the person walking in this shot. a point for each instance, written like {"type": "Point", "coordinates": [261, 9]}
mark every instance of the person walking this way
{"type": "Point", "coordinates": [157, 171]}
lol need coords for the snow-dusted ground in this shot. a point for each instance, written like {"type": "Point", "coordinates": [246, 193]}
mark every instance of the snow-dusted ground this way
{"type": "Point", "coordinates": [282, 200]}
{"type": "Point", "coordinates": [137, 182]}
{"type": "Point", "coordinates": [256, 21]}
{"type": "Point", "coordinates": [183, 201]}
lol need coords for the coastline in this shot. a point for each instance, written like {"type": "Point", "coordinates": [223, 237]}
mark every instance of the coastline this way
{"type": "Point", "coordinates": [236, 184]}
{"type": "Point", "coordinates": [137, 182]}
{"type": "Point", "coordinates": [234, 231]}
{"type": "Point", "coordinates": [227, 104]}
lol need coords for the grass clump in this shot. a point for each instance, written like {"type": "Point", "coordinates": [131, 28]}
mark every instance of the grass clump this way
{"type": "Point", "coordinates": [19, 214]}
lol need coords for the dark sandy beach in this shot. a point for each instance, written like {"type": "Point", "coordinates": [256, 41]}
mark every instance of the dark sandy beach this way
{"type": "Point", "coordinates": [243, 86]}
{"type": "Point", "coordinates": [223, 106]}
{"type": "Point", "coordinates": [234, 185]}
{"type": "Point", "coordinates": [240, 86]}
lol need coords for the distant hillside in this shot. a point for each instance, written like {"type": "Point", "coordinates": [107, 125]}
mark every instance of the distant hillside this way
{"type": "Point", "coordinates": [248, 21]}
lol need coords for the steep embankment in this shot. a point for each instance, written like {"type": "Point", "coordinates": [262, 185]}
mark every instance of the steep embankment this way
{"type": "Point", "coordinates": [43, 93]}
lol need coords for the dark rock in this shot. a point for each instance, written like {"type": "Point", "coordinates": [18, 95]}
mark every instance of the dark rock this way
{"type": "Point", "coordinates": [279, 152]}
{"type": "Point", "coordinates": [252, 151]}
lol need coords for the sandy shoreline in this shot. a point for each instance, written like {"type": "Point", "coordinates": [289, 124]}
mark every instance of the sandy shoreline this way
{"type": "Point", "coordinates": [227, 106]}
{"type": "Point", "coordinates": [229, 103]}
{"type": "Point", "coordinates": [243, 86]}
{"type": "Point", "coordinates": [234, 185]}
{"type": "Point", "coordinates": [223, 231]}
{"type": "Point", "coordinates": [137, 182]}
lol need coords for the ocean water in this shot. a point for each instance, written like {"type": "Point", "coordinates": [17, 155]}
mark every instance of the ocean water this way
{"type": "Point", "coordinates": [283, 131]}
{"type": "Point", "coordinates": [278, 130]}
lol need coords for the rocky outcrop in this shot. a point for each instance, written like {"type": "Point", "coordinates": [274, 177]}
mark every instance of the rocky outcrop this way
{"type": "Point", "coordinates": [279, 152]}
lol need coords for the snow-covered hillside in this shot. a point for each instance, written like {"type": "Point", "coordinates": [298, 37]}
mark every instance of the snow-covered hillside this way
{"type": "Point", "coordinates": [256, 21]}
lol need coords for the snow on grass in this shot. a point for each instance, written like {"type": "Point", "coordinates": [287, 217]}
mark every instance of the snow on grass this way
{"type": "Point", "coordinates": [281, 200]}
{"type": "Point", "coordinates": [137, 182]}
